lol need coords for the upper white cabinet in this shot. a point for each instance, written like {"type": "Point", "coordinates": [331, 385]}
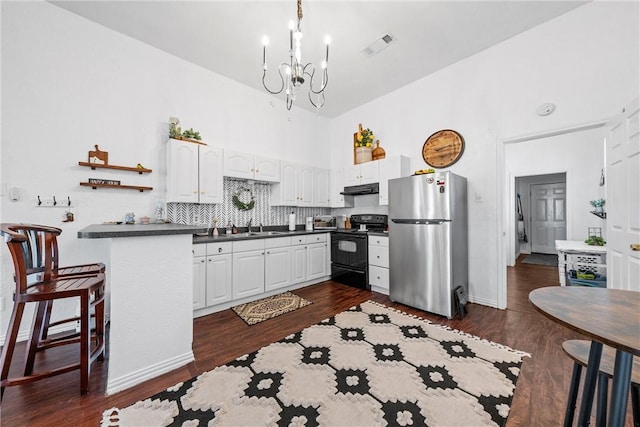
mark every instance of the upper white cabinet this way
{"type": "Point", "coordinates": [248, 166]}
{"type": "Point", "coordinates": [336, 186]}
{"type": "Point", "coordinates": [363, 173]}
{"type": "Point", "coordinates": [194, 173]}
{"type": "Point", "coordinates": [301, 186]}
{"type": "Point", "coordinates": [391, 168]}
{"type": "Point", "coordinates": [321, 188]}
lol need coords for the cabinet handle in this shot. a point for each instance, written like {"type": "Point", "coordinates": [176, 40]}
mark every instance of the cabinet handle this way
{"type": "Point", "coordinates": [378, 277]}
{"type": "Point", "coordinates": [219, 250]}
{"type": "Point", "coordinates": [202, 192]}
{"type": "Point", "coordinates": [378, 256]}
{"type": "Point", "coordinates": [201, 260]}
{"type": "Point", "coordinates": [257, 170]}
{"type": "Point", "coordinates": [210, 260]}
{"type": "Point", "coordinates": [268, 252]}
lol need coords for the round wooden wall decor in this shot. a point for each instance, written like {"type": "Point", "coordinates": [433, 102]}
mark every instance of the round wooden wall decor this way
{"type": "Point", "coordinates": [443, 148]}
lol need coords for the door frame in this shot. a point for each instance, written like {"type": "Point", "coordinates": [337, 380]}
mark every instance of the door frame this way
{"type": "Point", "coordinates": [506, 200]}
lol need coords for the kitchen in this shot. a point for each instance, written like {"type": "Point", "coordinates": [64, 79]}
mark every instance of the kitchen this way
{"type": "Point", "coordinates": [489, 97]}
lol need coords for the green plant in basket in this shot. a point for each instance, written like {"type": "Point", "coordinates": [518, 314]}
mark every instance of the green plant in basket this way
{"type": "Point", "coordinates": [595, 241]}
{"type": "Point", "coordinates": [598, 203]}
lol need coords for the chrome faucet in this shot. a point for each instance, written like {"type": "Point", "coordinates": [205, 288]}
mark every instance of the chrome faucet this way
{"type": "Point", "coordinates": [249, 226]}
{"type": "Point", "coordinates": [261, 227]}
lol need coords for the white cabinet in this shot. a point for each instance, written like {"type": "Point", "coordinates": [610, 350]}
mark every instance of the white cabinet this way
{"type": "Point", "coordinates": [379, 263]}
{"type": "Point", "coordinates": [363, 173]}
{"type": "Point", "coordinates": [248, 268]}
{"type": "Point", "coordinates": [321, 188]}
{"type": "Point", "coordinates": [310, 257]}
{"type": "Point", "coordinates": [248, 166]}
{"type": "Point", "coordinates": [194, 173]}
{"type": "Point", "coordinates": [277, 263]}
{"type": "Point", "coordinates": [336, 186]}
{"type": "Point", "coordinates": [316, 260]}
{"type": "Point", "coordinates": [211, 274]}
{"type": "Point", "coordinates": [391, 168]}
{"type": "Point", "coordinates": [300, 186]}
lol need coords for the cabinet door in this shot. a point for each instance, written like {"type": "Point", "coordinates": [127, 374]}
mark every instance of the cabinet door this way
{"type": "Point", "coordinates": [306, 183]}
{"type": "Point", "coordinates": [369, 172]}
{"type": "Point", "coordinates": [238, 165]}
{"type": "Point", "coordinates": [210, 171]}
{"type": "Point", "coordinates": [391, 168]}
{"type": "Point", "coordinates": [379, 256]}
{"type": "Point", "coordinates": [219, 279]}
{"type": "Point", "coordinates": [321, 188]}
{"type": "Point", "coordinates": [199, 278]}
{"type": "Point", "coordinates": [379, 278]}
{"type": "Point", "coordinates": [267, 169]}
{"type": "Point", "coordinates": [351, 175]}
{"type": "Point", "coordinates": [277, 268]}
{"type": "Point", "coordinates": [336, 185]}
{"type": "Point", "coordinates": [182, 172]}
{"type": "Point", "coordinates": [286, 192]}
{"type": "Point", "coordinates": [299, 264]}
{"type": "Point", "coordinates": [316, 260]}
{"type": "Point", "coordinates": [248, 273]}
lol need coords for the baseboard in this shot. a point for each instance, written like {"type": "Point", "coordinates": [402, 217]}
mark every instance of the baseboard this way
{"type": "Point", "coordinates": [482, 301]}
{"type": "Point", "coordinates": [149, 372]}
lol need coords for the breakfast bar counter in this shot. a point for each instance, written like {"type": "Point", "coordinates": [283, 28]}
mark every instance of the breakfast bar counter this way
{"type": "Point", "coordinates": [149, 282]}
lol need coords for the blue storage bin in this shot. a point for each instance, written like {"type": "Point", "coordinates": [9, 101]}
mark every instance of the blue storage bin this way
{"type": "Point", "coordinates": [599, 281]}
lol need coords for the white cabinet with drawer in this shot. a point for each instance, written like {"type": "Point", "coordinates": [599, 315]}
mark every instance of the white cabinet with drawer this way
{"type": "Point", "coordinates": [211, 274]}
{"type": "Point", "coordinates": [277, 263]}
{"type": "Point", "coordinates": [248, 268]}
{"type": "Point", "coordinates": [379, 263]}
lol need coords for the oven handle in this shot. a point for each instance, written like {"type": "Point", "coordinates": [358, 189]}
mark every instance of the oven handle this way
{"type": "Point", "coordinates": [347, 236]}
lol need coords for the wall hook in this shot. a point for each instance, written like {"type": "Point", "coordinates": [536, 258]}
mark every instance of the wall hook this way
{"type": "Point", "coordinates": [54, 201]}
{"type": "Point", "coordinates": [39, 201]}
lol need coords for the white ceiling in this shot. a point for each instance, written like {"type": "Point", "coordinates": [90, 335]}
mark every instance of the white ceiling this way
{"type": "Point", "coordinates": [226, 36]}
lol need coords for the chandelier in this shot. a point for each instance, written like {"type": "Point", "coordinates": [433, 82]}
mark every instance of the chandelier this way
{"type": "Point", "coordinates": [292, 74]}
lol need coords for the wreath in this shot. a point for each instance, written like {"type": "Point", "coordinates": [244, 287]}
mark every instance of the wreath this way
{"type": "Point", "coordinates": [244, 193]}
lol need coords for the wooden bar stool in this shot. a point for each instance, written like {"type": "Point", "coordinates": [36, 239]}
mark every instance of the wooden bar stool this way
{"type": "Point", "coordinates": [578, 350]}
{"type": "Point", "coordinates": [39, 279]}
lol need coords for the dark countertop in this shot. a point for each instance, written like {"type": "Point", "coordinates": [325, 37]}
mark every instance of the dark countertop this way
{"type": "Point", "coordinates": [101, 231]}
{"type": "Point", "coordinates": [379, 233]}
{"type": "Point", "coordinates": [267, 234]}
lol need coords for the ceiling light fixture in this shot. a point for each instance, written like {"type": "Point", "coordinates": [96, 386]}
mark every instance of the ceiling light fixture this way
{"type": "Point", "coordinates": [292, 75]}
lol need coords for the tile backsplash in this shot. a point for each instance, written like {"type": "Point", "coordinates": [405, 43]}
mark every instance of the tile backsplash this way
{"type": "Point", "coordinates": [263, 212]}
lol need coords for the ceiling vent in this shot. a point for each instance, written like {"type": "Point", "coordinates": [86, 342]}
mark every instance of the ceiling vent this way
{"type": "Point", "coordinates": [378, 45]}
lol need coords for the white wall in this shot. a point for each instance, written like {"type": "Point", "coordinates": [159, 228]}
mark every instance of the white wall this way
{"type": "Point", "coordinates": [585, 61]}
{"type": "Point", "coordinates": [68, 84]}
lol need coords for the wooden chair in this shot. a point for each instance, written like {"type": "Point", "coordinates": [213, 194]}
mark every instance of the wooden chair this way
{"type": "Point", "coordinates": [38, 278]}
{"type": "Point", "coordinates": [578, 350]}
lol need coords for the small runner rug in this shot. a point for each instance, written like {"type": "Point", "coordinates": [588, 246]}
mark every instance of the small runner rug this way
{"type": "Point", "coordinates": [269, 307]}
{"type": "Point", "coordinates": [368, 366]}
{"type": "Point", "coordinates": [541, 259]}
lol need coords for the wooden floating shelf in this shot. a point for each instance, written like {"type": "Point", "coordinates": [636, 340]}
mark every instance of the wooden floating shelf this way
{"type": "Point", "coordinates": [120, 168]}
{"type": "Point", "coordinates": [126, 187]}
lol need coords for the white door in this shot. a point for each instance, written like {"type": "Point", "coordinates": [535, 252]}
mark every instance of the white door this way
{"type": "Point", "coordinates": [182, 172]}
{"type": "Point", "coordinates": [277, 268]}
{"type": "Point", "coordinates": [623, 199]}
{"type": "Point", "coordinates": [299, 264]}
{"type": "Point", "coordinates": [548, 216]}
{"type": "Point", "coordinates": [286, 192]}
{"type": "Point", "coordinates": [248, 273]}
{"type": "Point", "coordinates": [351, 175]}
{"type": "Point", "coordinates": [199, 278]}
{"type": "Point", "coordinates": [218, 279]}
{"type": "Point", "coordinates": [210, 171]}
{"type": "Point", "coordinates": [336, 181]}
{"type": "Point", "coordinates": [369, 172]}
{"type": "Point", "coordinates": [305, 186]}
{"type": "Point", "coordinates": [238, 165]}
{"type": "Point", "coordinates": [316, 260]}
{"type": "Point", "coordinates": [321, 188]}
{"type": "Point", "coordinates": [267, 169]}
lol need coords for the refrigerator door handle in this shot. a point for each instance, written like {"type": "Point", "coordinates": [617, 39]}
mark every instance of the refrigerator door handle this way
{"type": "Point", "coordinates": [420, 221]}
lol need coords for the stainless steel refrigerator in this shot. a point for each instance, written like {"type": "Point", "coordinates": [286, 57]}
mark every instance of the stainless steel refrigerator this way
{"type": "Point", "coordinates": [428, 256]}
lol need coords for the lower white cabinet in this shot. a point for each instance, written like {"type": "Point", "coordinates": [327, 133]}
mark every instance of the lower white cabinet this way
{"type": "Point", "coordinates": [248, 268]}
{"type": "Point", "coordinates": [228, 271]}
{"type": "Point", "coordinates": [211, 274]}
{"type": "Point", "coordinates": [379, 263]}
{"type": "Point", "coordinates": [277, 263]}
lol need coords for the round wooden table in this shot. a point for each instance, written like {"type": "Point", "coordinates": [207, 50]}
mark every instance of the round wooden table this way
{"type": "Point", "coordinates": [606, 316]}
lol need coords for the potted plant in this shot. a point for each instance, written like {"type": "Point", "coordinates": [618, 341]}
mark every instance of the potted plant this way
{"type": "Point", "coordinates": [363, 141]}
{"type": "Point", "coordinates": [597, 204]}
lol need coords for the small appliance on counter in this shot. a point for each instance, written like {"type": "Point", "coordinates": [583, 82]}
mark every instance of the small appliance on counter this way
{"type": "Point", "coordinates": [349, 249]}
{"type": "Point", "coordinates": [324, 222]}
{"type": "Point", "coordinates": [308, 224]}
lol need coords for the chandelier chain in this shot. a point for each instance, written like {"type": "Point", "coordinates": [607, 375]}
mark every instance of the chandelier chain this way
{"type": "Point", "coordinates": [299, 11]}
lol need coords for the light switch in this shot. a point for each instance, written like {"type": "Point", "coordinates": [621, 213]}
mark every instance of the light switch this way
{"type": "Point", "coordinates": [478, 198]}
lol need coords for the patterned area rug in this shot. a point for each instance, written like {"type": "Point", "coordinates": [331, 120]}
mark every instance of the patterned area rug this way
{"type": "Point", "coordinates": [367, 366]}
{"type": "Point", "coordinates": [541, 259]}
{"type": "Point", "coordinates": [270, 307]}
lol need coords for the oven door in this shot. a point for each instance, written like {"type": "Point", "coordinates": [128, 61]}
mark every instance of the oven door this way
{"type": "Point", "coordinates": [349, 260]}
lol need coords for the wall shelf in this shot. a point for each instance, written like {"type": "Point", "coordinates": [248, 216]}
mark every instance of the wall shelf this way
{"type": "Point", "coordinates": [120, 168]}
{"type": "Point", "coordinates": [126, 187]}
{"type": "Point", "coordinates": [602, 215]}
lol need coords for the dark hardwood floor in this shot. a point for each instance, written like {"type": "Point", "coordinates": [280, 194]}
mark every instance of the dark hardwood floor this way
{"type": "Point", "coordinates": [539, 398]}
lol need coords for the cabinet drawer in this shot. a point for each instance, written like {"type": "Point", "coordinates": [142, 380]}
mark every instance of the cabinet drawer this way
{"type": "Point", "coordinates": [277, 242]}
{"type": "Point", "coordinates": [379, 277]}
{"type": "Point", "coordinates": [199, 249]}
{"type": "Point", "coordinates": [379, 255]}
{"type": "Point", "coordinates": [316, 238]}
{"type": "Point", "coordinates": [299, 240]}
{"type": "Point", "coordinates": [248, 245]}
{"type": "Point", "coordinates": [379, 240]}
{"type": "Point", "coordinates": [218, 248]}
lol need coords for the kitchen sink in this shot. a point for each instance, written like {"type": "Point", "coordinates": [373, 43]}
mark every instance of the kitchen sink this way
{"type": "Point", "coordinates": [272, 233]}
{"type": "Point", "coordinates": [258, 234]}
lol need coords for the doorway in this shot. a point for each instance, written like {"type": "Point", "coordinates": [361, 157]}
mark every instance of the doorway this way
{"type": "Point", "coordinates": [548, 216]}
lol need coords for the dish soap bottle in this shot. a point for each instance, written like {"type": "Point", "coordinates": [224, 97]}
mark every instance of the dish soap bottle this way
{"type": "Point", "coordinates": [292, 221]}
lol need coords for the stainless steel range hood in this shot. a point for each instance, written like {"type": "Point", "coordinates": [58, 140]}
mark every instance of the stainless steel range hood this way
{"type": "Point", "coordinates": [357, 190]}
